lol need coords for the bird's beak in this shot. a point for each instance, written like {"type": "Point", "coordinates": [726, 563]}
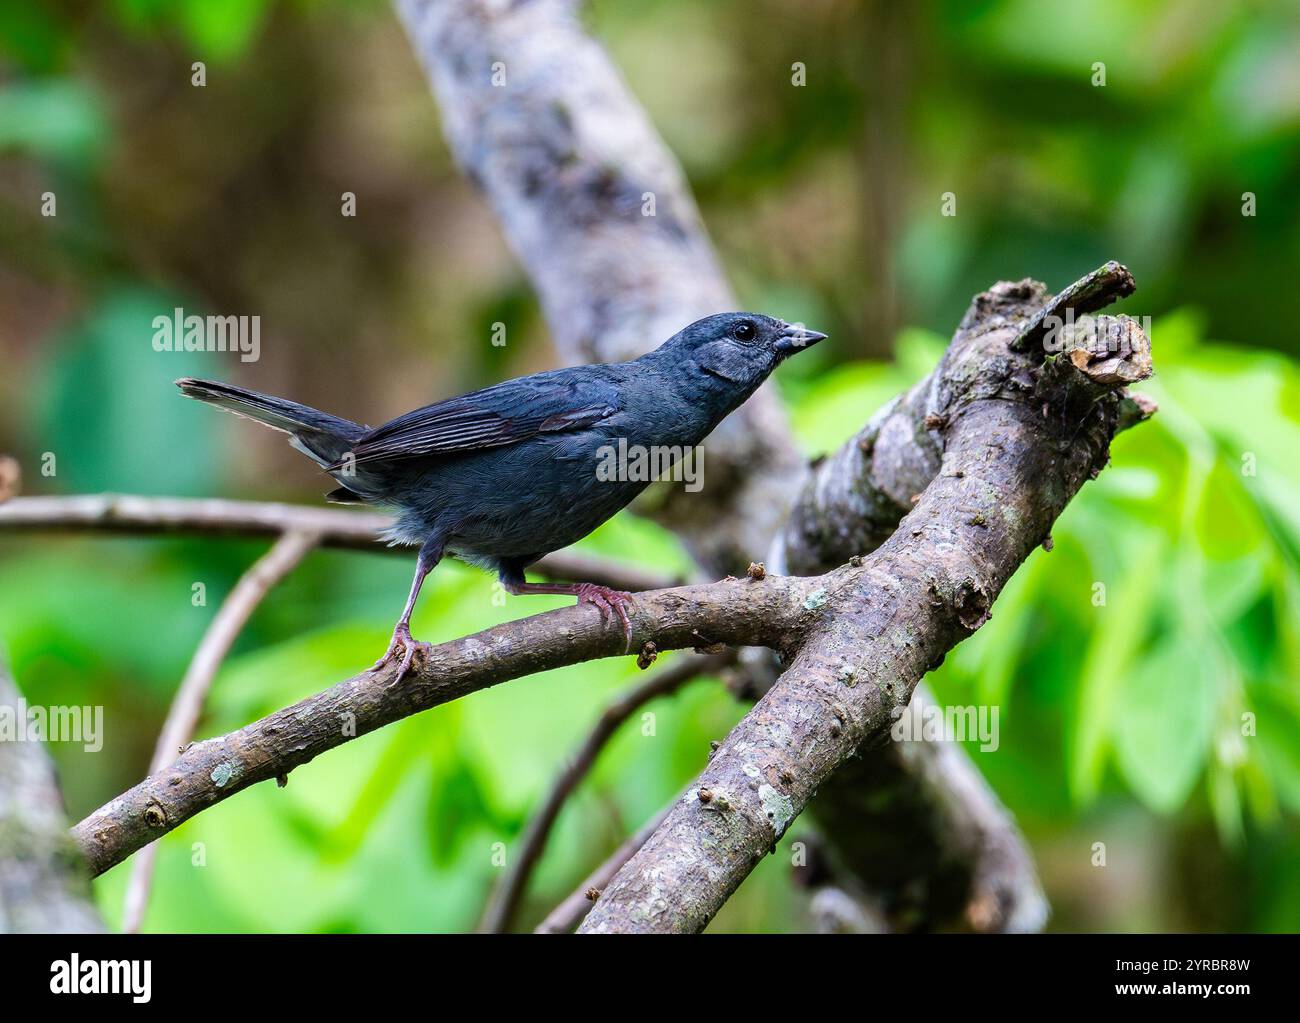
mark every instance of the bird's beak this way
{"type": "Point", "coordinates": [797, 336]}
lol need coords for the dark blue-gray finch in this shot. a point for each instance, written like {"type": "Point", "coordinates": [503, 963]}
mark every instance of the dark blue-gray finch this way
{"type": "Point", "coordinates": [501, 476]}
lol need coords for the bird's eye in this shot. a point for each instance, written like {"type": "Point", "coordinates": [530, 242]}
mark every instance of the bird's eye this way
{"type": "Point", "coordinates": [744, 331]}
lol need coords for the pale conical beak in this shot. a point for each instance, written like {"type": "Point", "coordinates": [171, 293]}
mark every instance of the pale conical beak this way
{"type": "Point", "coordinates": [797, 336]}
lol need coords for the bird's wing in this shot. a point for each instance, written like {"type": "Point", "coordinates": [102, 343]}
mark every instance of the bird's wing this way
{"type": "Point", "coordinates": [505, 413]}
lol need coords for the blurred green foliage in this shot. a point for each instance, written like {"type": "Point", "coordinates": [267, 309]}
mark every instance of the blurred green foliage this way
{"type": "Point", "coordinates": [1164, 722]}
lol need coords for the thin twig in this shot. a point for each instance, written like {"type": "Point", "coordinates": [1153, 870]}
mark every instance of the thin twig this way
{"type": "Point", "coordinates": [505, 899]}
{"type": "Point", "coordinates": [187, 706]}
{"type": "Point", "coordinates": [336, 527]}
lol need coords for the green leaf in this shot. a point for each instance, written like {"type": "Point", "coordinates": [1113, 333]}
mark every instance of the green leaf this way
{"type": "Point", "coordinates": [1119, 629]}
{"type": "Point", "coordinates": [53, 118]}
{"type": "Point", "coordinates": [1277, 740]}
{"type": "Point", "coordinates": [220, 29]}
{"type": "Point", "coordinates": [1225, 803]}
{"type": "Point", "coordinates": [1165, 721]}
{"type": "Point", "coordinates": [457, 801]}
{"type": "Point", "coordinates": [111, 414]}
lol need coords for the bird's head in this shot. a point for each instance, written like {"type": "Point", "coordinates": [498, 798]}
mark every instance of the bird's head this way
{"type": "Point", "coordinates": [739, 349]}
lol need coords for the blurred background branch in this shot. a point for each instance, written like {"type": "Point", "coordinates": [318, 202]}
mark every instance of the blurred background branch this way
{"type": "Point", "coordinates": [43, 885]}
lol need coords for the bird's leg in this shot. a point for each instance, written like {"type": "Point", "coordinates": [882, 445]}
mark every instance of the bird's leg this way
{"type": "Point", "coordinates": [602, 597]}
{"type": "Point", "coordinates": [430, 555]}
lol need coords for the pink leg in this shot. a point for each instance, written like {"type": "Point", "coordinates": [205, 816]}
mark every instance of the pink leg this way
{"type": "Point", "coordinates": [429, 557]}
{"type": "Point", "coordinates": [602, 597]}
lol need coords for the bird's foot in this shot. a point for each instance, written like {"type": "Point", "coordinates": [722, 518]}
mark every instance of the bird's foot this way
{"type": "Point", "coordinates": [402, 644]}
{"type": "Point", "coordinates": [607, 600]}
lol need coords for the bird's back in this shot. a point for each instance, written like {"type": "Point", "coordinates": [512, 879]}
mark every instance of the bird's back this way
{"type": "Point", "coordinates": [550, 488]}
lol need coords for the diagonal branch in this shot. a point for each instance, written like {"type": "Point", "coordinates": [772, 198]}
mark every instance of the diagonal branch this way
{"type": "Point", "coordinates": [1018, 436]}
{"type": "Point", "coordinates": [505, 900]}
{"type": "Point", "coordinates": [186, 708]}
{"type": "Point", "coordinates": [1088, 294]}
{"type": "Point", "coordinates": [917, 823]}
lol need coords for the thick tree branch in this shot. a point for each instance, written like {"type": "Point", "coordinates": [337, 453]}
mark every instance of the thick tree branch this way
{"type": "Point", "coordinates": [43, 886]}
{"type": "Point", "coordinates": [916, 823]}
{"type": "Point", "coordinates": [505, 900]}
{"type": "Point", "coordinates": [353, 530]}
{"type": "Point", "coordinates": [737, 612]}
{"type": "Point", "coordinates": [855, 498]}
{"type": "Point", "coordinates": [1018, 436]}
{"type": "Point", "coordinates": [187, 706]}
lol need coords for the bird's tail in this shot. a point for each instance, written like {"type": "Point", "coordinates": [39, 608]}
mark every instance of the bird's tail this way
{"type": "Point", "coordinates": [320, 436]}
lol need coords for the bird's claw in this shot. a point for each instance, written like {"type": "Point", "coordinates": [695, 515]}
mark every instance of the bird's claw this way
{"type": "Point", "coordinates": [607, 600]}
{"type": "Point", "coordinates": [403, 642]}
